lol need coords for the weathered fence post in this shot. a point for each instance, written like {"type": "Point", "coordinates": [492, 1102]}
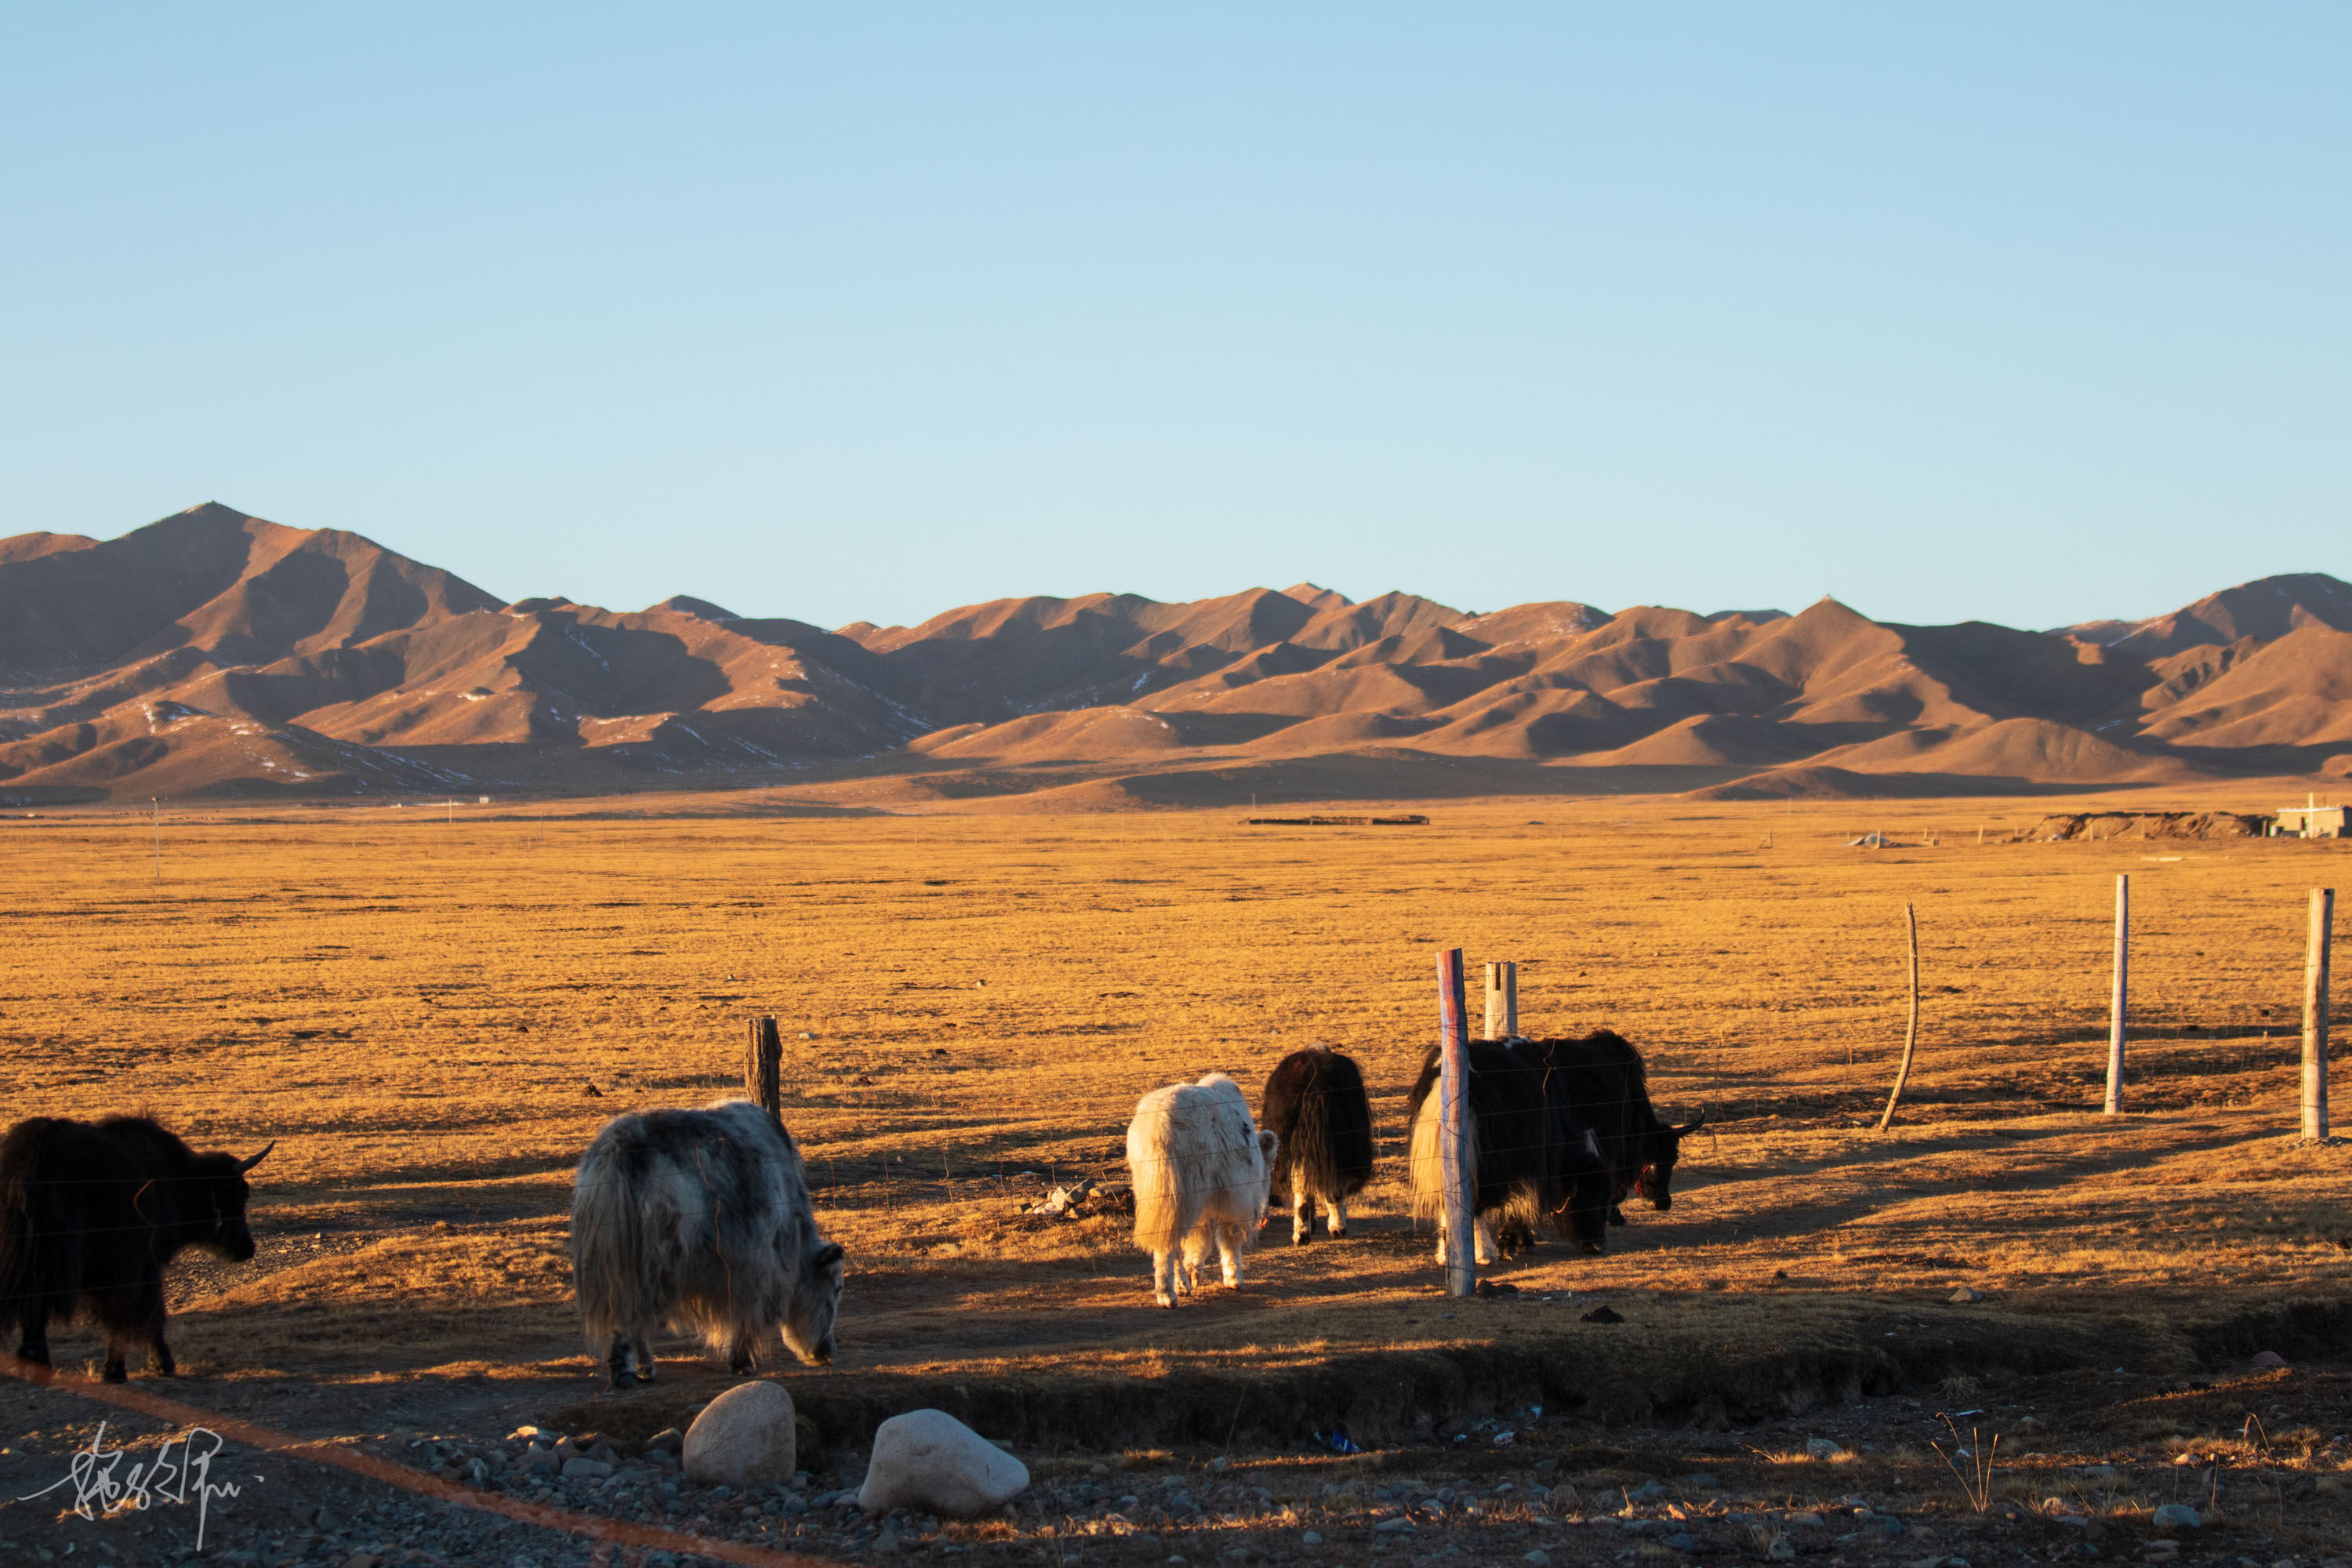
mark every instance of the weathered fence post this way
{"type": "Point", "coordinates": [1911, 1035]}
{"type": "Point", "coordinates": [2314, 1013]}
{"type": "Point", "coordinates": [763, 1067]}
{"type": "Point", "coordinates": [2119, 1004]}
{"type": "Point", "coordinates": [1502, 1000]}
{"type": "Point", "coordinates": [1454, 1125]}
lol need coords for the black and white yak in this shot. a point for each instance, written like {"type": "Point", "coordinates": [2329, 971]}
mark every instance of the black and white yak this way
{"type": "Point", "coordinates": [699, 1219]}
{"type": "Point", "coordinates": [1534, 1155]}
{"type": "Point", "coordinates": [1604, 1074]}
{"type": "Point", "coordinates": [1315, 1104]}
{"type": "Point", "coordinates": [91, 1213]}
{"type": "Point", "coordinates": [1202, 1173]}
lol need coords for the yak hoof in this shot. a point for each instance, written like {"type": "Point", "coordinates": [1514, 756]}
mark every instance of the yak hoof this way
{"type": "Point", "coordinates": [114, 1372]}
{"type": "Point", "coordinates": [1590, 1249]}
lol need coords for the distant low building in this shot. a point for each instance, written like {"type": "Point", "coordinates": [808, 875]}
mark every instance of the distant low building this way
{"type": "Point", "coordinates": [2312, 822]}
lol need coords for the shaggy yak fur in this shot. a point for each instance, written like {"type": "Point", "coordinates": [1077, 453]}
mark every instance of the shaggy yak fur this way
{"type": "Point", "coordinates": [1604, 1074]}
{"type": "Point", "coordinates": [1534, 1153]}
{"type": "Point", "coordinates": [89, 1213]}
{"type": "Point", "coordinates": [1315, 1103]}
{"type": "Point", "coordinates": [1203, 1174]}
{"type": "Point", "coordinates": [699, 1219]}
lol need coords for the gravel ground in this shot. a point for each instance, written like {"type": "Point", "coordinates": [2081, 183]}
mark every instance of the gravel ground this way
{"type": "Point", "coordinates": [1854, 1484]}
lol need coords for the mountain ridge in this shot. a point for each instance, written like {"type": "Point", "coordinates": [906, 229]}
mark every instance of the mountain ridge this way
{"type": "Point", "coordinates": [216, 652]}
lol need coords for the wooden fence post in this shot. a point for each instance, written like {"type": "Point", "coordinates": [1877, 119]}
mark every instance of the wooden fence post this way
{"type": "Point", "coordinates": [1502, 1000]}
{"type": "Point", "coordinates": [1911, 1035]}
{"type": "Point", "coordinates": [2119, 1004]}
{"type": "Point", "coordinates": [1454, 1125]}
{"type": "Point", "coordinates": [763, 1067]}
{"type": "Point", "coordinates": [2314, 1013]}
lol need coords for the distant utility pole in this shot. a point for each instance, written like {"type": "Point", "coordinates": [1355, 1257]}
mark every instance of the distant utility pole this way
{"type": "Point", "coordinates": [2315, 1014]}
{"type": "Point", "coordinates": [156, 807]}
{"type": "Point", "coordinates": [2119, 1002]}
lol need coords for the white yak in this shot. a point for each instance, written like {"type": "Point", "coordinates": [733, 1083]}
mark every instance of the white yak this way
{"type": "Point", "coordinates": [1202, 1173]}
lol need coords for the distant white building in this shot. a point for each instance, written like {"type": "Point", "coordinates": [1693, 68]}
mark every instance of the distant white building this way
{"type": "Point", "coordinates": [2312, 822]}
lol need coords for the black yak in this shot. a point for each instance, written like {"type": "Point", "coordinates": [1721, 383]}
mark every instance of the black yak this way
{"type": "Point", "coordinates": [91, 1213]}
{"type": "Point", "coordinates": [1533, 1154]}
{"type": "Point", "coordinates": [1605, 1075]}
{"type": "Point", "coordinates": [1315, 1104]}
{"type": "Point", "coordinates": [700, 1218]}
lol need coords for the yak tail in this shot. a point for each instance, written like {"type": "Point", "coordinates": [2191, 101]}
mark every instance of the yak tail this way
{"type": "Point", "coordinates": [1426, 1166]}
{"type": "Point", "coordinates": [611, 1270]}
{"type": "Point", "coordinates": [1160, 1217]}
{"type": "Point", "coordinates": [25, 1270]}
{"type": "Point", "coordinates": [15, 1227]}
{"type": "Point", "coordinates": [1307, 1157]}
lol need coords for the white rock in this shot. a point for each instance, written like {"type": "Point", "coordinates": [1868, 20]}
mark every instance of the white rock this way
{"type": "Point", "coordinates": [930, 1461]}
{"type": "Point", "coordinates": [1821, 1449]}
{"type": "Point", "coordinates": [1538, 1558]}
{"type": "Point", "coordinates": [743, 1438]}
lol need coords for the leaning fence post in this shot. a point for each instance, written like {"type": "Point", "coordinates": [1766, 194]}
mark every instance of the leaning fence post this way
{"type": "Point", "coordinates": [2314, 1014]}
{"type": "Point", "coordinates": [1454, 1124]}
{"type": "Point", "coordinates": [1911, 1035]}
{"type": "Point", "coordinates": [2119, 1004]}
{"type": "Point", "coordinates": [763, 1067]}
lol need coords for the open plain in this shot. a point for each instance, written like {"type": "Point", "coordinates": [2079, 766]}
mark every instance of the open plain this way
{"type": "Point", "coordinates": [433, 1008]}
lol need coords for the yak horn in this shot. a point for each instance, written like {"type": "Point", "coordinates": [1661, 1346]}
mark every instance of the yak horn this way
{"type": "Point", "coordinates": [1693, 1126]}
{"type": "Point", "coordinates": [245, 1165]}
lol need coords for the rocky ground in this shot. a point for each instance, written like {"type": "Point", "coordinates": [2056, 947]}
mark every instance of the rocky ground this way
{"type": "Point", "coordinates": [2252, 1467]}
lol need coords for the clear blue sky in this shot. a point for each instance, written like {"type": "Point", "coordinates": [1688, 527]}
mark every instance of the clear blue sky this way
{"type": "Point", "coordinates": [2030, 312]}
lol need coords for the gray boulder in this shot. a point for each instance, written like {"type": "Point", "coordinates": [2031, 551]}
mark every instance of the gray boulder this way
{"type": "Point", "coordinates": [928, 1461]}
{"type": "Point", "coordinates": [743, 1438]}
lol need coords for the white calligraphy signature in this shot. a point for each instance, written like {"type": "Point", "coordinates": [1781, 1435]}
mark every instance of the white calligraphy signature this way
{"type": "Point", "coordinates": [102, 1485]}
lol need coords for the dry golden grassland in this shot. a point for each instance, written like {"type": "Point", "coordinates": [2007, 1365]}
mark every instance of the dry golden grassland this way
{"type": "Point", "coordinates": [417, 1007]}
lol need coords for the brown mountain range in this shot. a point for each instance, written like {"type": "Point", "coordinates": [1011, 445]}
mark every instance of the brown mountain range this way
{"type": "Point", "coordinates": [213, 653]}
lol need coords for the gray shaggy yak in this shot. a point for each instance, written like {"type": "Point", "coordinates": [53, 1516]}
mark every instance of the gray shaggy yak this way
{"type": "Point", "coordinates": [1315, 1104]}
{"type": "Point", "coordinates": [699, 1219]}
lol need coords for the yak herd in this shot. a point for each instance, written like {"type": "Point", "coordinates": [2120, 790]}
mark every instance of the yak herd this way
{"type": "Point", "coordinates": [702, 1218]}
{"type": "Point", "coordinates": [1558, 1129]}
